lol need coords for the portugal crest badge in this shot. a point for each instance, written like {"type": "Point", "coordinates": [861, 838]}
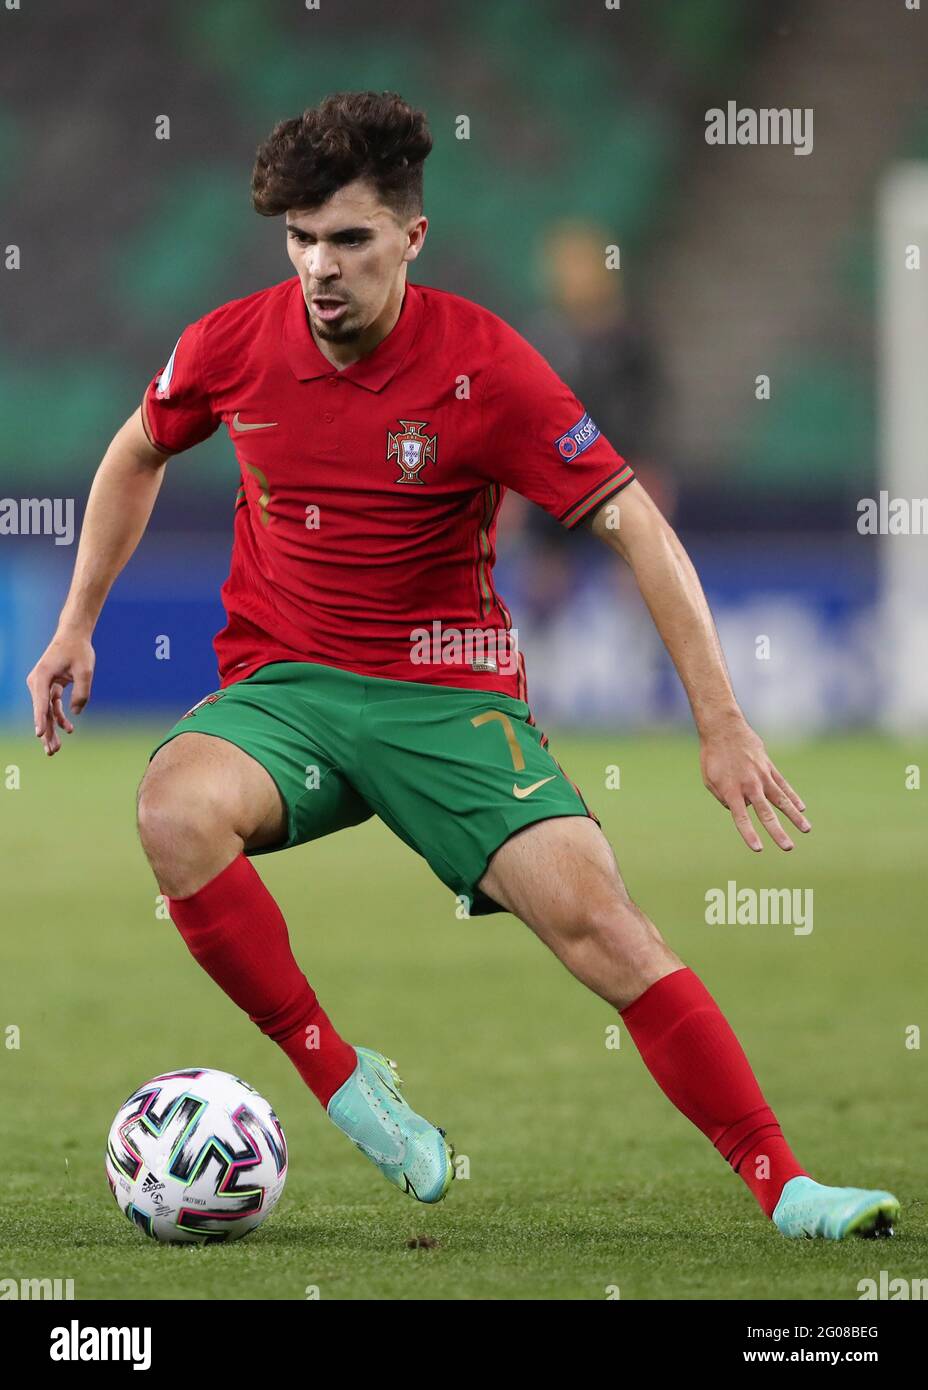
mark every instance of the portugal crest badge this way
{"type": "Point", "coordinates": [412, 449]}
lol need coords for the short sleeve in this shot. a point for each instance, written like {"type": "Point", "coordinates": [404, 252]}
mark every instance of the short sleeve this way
{"type": "Point", "coordinates": [176, 408]}
{"type": "Point", "coordinates": [539, 440]}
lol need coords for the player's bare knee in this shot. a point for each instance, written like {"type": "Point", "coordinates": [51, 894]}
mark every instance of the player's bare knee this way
{"type": "Point", "coordinates": [178, 817]}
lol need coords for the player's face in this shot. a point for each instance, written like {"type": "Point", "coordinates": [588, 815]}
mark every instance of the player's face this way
{"type": "Point", "coordinates": [350, 255]}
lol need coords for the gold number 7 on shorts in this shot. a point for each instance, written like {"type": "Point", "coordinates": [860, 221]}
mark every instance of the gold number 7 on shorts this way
{"type": "Point", "coordinates": [515, 752]}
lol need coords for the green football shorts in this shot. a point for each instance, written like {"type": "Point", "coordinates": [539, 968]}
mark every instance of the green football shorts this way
{"type": "Point", "coordinates": [452, 772]}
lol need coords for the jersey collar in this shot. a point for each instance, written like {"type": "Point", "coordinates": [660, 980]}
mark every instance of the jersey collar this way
{"type": "Point", "coordinates": [372, 371]}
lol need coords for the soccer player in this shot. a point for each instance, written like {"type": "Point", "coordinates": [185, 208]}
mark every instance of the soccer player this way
{"type": "Point", "coordinates": [369, 666]}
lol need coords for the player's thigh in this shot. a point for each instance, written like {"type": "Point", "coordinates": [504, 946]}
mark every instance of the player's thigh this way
{"type": "Point", "coordinates": [557, 875]}
{"type": "Point", "coordinates": [198, 781]}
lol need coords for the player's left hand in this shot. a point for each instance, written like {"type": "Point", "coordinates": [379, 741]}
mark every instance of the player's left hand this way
{"type": "Point", "coordinates": [738, 773]}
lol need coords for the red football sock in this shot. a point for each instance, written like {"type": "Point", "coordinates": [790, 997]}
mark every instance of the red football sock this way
{"type": "Point", "coordinates": [689, 1048]}
{"type": "Point", "coordinates": [236, 931]}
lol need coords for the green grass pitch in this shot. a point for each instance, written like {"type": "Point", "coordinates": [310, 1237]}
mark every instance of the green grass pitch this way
{"type": "Point", "coordinates": [582, 1177]}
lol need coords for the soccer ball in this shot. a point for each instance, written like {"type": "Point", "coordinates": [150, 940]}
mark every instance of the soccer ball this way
{"type": "Point", "coordinates": [196, 1156]}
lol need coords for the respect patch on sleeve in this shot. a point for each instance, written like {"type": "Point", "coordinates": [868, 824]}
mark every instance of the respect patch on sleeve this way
{"type": "Point", "coordinates": [579, 437]}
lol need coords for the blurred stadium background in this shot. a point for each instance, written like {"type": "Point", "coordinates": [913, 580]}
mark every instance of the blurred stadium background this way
{"type": "Point", "coordinates": [586, 129]}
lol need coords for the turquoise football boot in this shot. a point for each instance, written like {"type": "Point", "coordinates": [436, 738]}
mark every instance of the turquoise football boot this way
{"type": "Point", "coordinates": [806, 1208]}
{"type": "Point", "coordinates": [410, 1152]}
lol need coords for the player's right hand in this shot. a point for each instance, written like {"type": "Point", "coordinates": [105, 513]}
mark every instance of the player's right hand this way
{"type": "Point", "coordinates": [68, 658]}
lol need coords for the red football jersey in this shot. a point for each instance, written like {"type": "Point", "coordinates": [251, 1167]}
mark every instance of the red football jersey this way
{"type": "Point", "coordinates": [365, 523]}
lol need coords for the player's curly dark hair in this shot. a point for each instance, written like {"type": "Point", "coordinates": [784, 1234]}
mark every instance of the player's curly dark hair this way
{"type": "Point", "coordinates": [350, 135]}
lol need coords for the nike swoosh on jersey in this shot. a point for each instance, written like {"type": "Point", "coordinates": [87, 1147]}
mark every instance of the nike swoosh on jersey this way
{"type": "Point", "coordinates": [238, 424]}
{"type": "Point", "coordinates": [522, 792]}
